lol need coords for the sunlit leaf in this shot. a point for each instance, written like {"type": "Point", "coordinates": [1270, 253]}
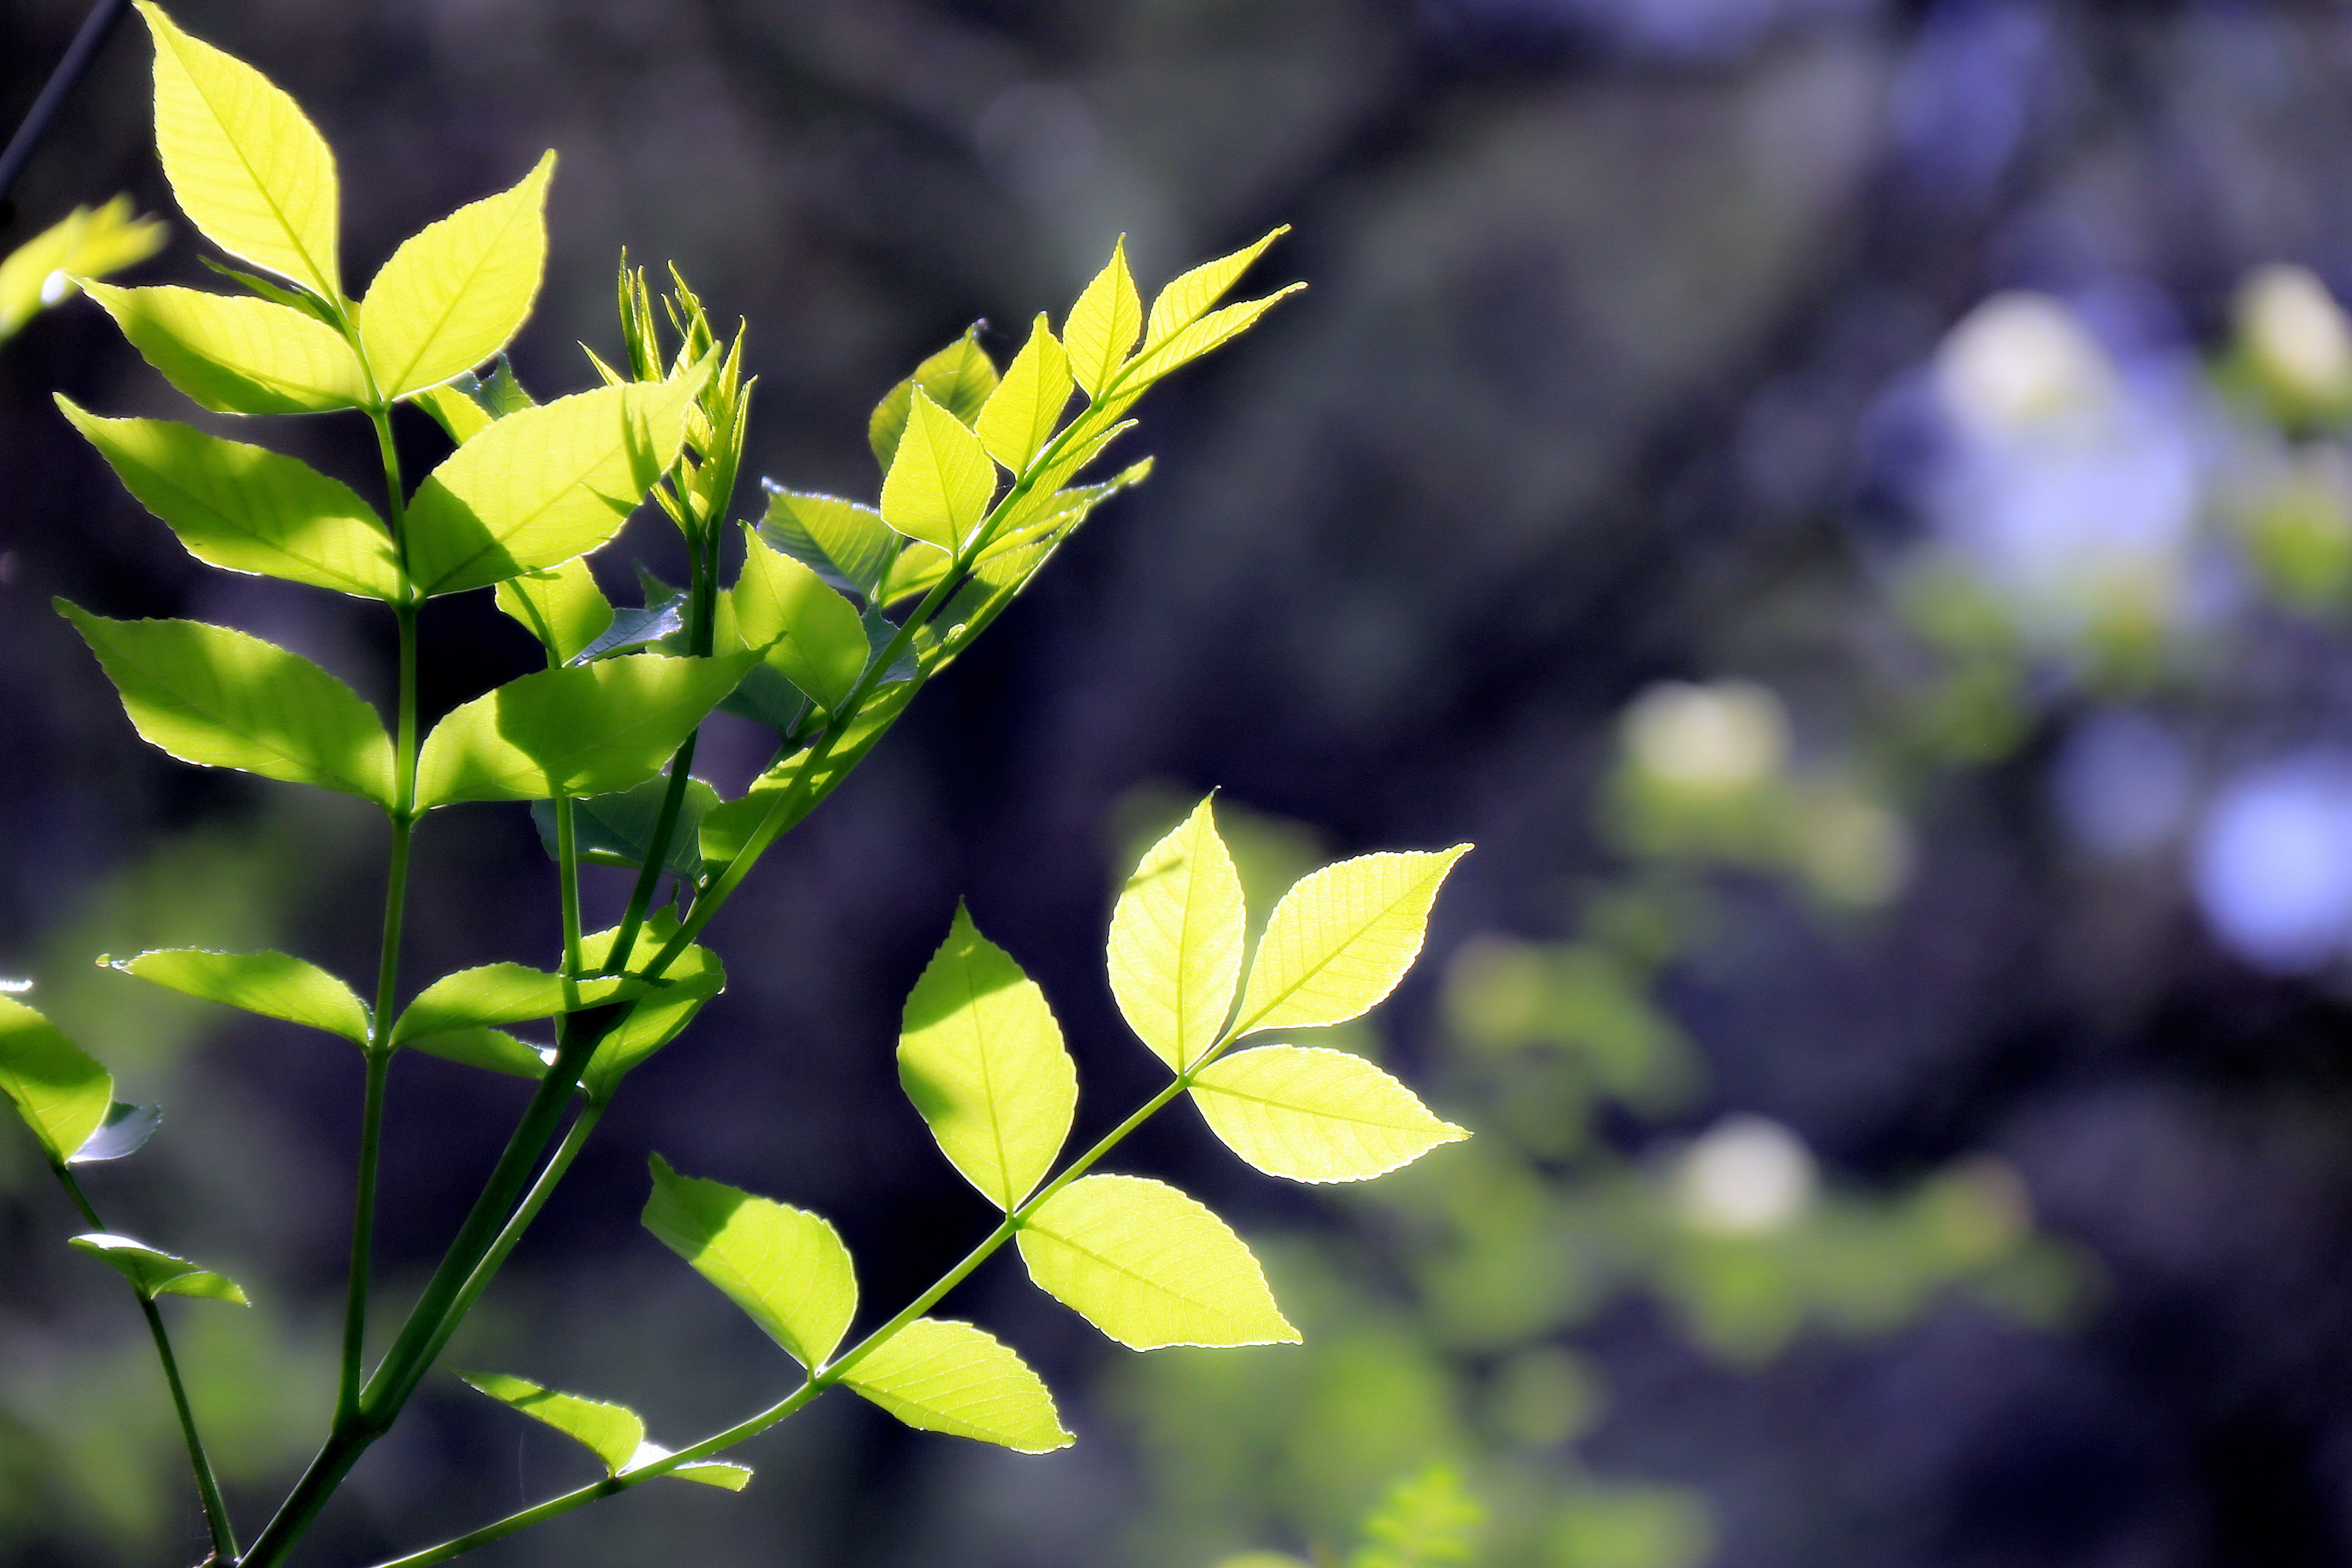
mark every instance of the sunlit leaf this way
{"type": "Point", "coordinates": [154, 1273]}
{"type": "Point", "coordinates": [959, 378]}
{"type": "Point", "coordinates": [220, 699]}
{"type": "Point", "coordinates": [85, 243]}
{"type": "Point", "coordinates": [1176, 941]}
{"type": "Point", "coordinates": [811, 635]}
{"type": "Point", "coordinates": [655, 1018]}
{"type": "Point", "coordinates": [982, 1058]}
{"type": "Point", "coordinates": [250, 170]}
{"type": "Point", "coordinates": [617, 829]}
{"type": "Point", "coordinates": [946, 1376]}
{"type": "Point", "coordinates": [634, 627]}
{"type": "Point", "coordinates": [590, 729]}
{"type": "Point", "coordinates": [785, 1266]}
{"type": "Point", "coordinates": [499, 993]}
{"type": "Point", "coordinates": [727, 1476]}
{"type": "Point", "coordinates": [1316, 1115]}
{"type": "Point", "coordinates": [274, 985]}
{"type": "Point", "coordinates": [238, 355]}
{"type": "Point", "coordinates": [466, 404]}
{"type": "Point", "coordinates": [1103, 324]}
{"type": "Point", "coordinates": [124, 1132]}
{"type": "Point", "coordinates": [1021, 414]}
{"type": "Point", "coordinates": [1341, 939]}
{"type": "Point", "coordinates": [612, 1432]}
{"type": "Point", "coordinates": [561, 604]}
{"type": "Point", "coordinates": [489, 1049]}
{"type": "Point", "coordinates": [249, 509]}
{"type": "Point", "coordinates": [939, 484]}
{"type": "Point", "coordinates": [1187, 298]}
{"type": "Point", "coordinates": [1048, 515]}
{"type": "Point", "coordinates": [1150, 1267]}
{"type": "Point", "coordinates": [63, 1095]}
{"type": "Point", "coordinates": [1210, 332]}
{"type": "Point", "coordinates": [846, 545]}
{"type": "Point", "coordinates": [452, 293]}
{"type": "Point", "coordinates": [916, 571]}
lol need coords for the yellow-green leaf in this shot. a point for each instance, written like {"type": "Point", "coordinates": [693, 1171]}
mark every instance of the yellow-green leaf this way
{"type": "Point", "coordinates": [1103, 324]}
{"type": "Point", "coordinates": [691, 980]}
{"type": "Point", "coordinates": [1316, 1115]}
{"type": "Point", "coordinates": [274, 985]}
{"type": "Point", "coordinates": [247, 509]}
{"type": "Point", "coordinates": [454, 292]}
{"type": "Point", "coordinates": [62, 1094]}
{"type": "Point", "coordinates": [1186, 298]}
{"type": "Point", "coordinates": [250, 170]}
{"type": "Point", "coordinates": [939, 484]}
{"type": "Point", "coordinates": [612, 1432]}
{"type": "Point", "coordinates": [982, 1058]}
{"type": "Point", "coordinates": [1176, 941]}
{"type": "Point", "coordinates": [154, 1273]}
{"type": "Point", "coordinates": [561, 604]}
{"type": "Point", "coordinates": [545, 484]}
{"type": "Point", "coordinates": [720, 1473]}
{"type": "Point", "coordinates": [1021, 414]}
{"type": "Point", "coordinates": [846, 545]}
{"type": "Point", "coordinates": [502, 994]}
{"type": "Point", "coordinates": [1341, 939]}
{"type": "Point", "coordinates": [1210, 332]}
{"type": "Point", "coordinates": [916, 571]}
{"type": "Point", "coordinates": [785, 1266]}
{"type": "Point", "coordinates": [945, 1376]}
{"type": "Point", "coordinates": [85, 243]}
{"type": "Point", "coordinates": [809, 634]}
{"type": "Point", "coordinates": [235, 355]}
{"type": "Point", "coordinates": [491, 1051]}
{"type": "Point", "coordinates": [1150, 1267]}
{"type": "Point", "coordinates": [959, 378]}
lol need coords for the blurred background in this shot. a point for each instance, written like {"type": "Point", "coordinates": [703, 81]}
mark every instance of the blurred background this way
{"type": "Point", "coordinates": [1843, 501]}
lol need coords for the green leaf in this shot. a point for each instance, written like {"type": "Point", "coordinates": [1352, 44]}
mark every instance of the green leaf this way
{"type": "Point", "coordinates": [454, 292]}
{"type": "Point", "coordinates": [124, 1132]}
{"type": "Point", "coordinates": [1426, 1520]}
{"type": "Point", "coordinates": [1210, 332]}
{"type": "Point", "coordinates": [273, 984]}
{"type": "Point", "coordinates": [459, 417]}
{"type": "Point", "coordinates": [916, 571]}
{"type": "Point", "coordinates": [220, 699]}
{"type": "Point", "coordinates": [293, 296]}
{"type": "Point", "coordinates": [982, 1058]}
{"type": "Point", "coordinates": [1316, 1115]}
{"type": "Point", "coordinates": [1103, 323]}
{"type": "Point", "coordinates": [590, 729]}
{"type": "Point", "coordinates": [1150, 1267]}
{"type": "Point", "coordinates": [809, 634]}
{"type": "Point", "coordinates": [720, 1473]}
{"type": "Point", "coordinates": [1185, 299]}
{"type": "Point", "coordinates": [1176, 941]}
{"type": "Point", "coordinates": [249, 509]}
{"type": "Point", "coordinates": [545, 484]}
{"type": "Point", "coordinates": [562, 605]}
{"type": "Point", "coordinates": [634, 627]}
{"type": "Point", "coordinates": [939, 485]}
{"type": "Point", "coordinates": [1341, 939]}
{"type": "Point", "coordinates": [656, 1017]}
{"type": "Point", "coordinates": [63, 1095]}
{"type": "Point", "coordinates": [85, 243]}
{"type": "Point", "coordinates": [1021, 414]}
{"type": "Point", "coordinates": [846, 545]}
{"type": "Point", "coordinates": [959, 378]}
{"type": "Point", "coordinates": [945, 1376]}
{"type": "Point", "coordinates": [803, 776]}
{"type": "Point", "coordinates": [251, 173]}
{"type": "Point", "coordinates": [612, 1433]}
{"type": "Point", "coordinates": [616, 830]}
{"type": "Point", "coordinates": [501, 994]}
{"type": "Point", "coordinates": [152, 1273]}
{"type": "Point", "coordinates": [492, 1050]}
{"type": "Point", "coordinates": [464, 404]}
{"type": "Point", "coordinates": [236, 355]}
{"type": "Point", "coordinates": [785, 1266]}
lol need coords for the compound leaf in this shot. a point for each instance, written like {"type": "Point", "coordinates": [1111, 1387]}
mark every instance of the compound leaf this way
{"type": "Point", "coordinates": [945, 1376]}
{"type": "Point", "coordinates": [811, 635]}
{"type": "Point", "coordinates": [589, 728]}
{"type": "Point", "coordinates": [1103, 324]}
{"type": "Point", "coordinates": [959, 378]}
{"type": "Point", "coordinates": [454, 291]}
{"type": "Point", "coordinates": [1187, 298]}
{"type": "Point", "coordinates": [154, 1273]}
{"type": "Point", "coordinates": [939, 484]}
{"type": "Point", "coordinates": [846, 545]}
{"type": "Point", "coordinates": [247, 509]}
{"type": "Point", "coordinates": [61, 1092]}
{"type": "Point", "coordinates": [1341, 939]}
{"type": "Point", "coordinates": [250, 171]}
{"type": "Point", "coordinates": [221, 699]}
{"type": "Point", "coordinates": [1176, 941]}
{"type": "Point", "coordinates": [274, 985]}
{"type": "Point", "coordinates": [1150, 1267]}
{"type": "Point", "coordinates": [1316, 1115]}
{"type": "Point", "coordinates": [561, 604]}
{"type": "Point", "coordinates": [612, 1432]}
{"type": "Point", "coordinates": [235, 355]}
{"type": "Point", "coordinates": [982, 1058]}
{"type": "Point", "coordinates": [785, 1266]}
{"type": "Point", "coordinates": [1020, 414]}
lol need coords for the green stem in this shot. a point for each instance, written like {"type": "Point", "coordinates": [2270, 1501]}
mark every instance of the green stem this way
{"type": "Point", "coordinates": [216, 1520]}
{"type": "Point", "coordinates": [567, 869]}
{"type": "Point", "coordinates": [355, 1296]}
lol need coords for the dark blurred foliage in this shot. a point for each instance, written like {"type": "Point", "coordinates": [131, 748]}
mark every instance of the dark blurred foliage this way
{"type": "Point", "coordinates": [1601, 381]}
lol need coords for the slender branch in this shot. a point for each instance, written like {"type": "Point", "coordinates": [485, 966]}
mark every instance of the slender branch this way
{"type": "Point", "coordinates": [36, 124]}
{"type": "Point", "coordinates": [355, 1289]}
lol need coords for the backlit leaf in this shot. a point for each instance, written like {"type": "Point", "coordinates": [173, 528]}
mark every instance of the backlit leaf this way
{"type": "Point", "coordinates": [634, 627]}
{"type": "Point", "coordinates": [590, 729]}
{"type": "Point", "coordinates": [63, 1095]}
{"type": "Point", "coordinates": [1210, 332]}
{"type": "Point", "coordinates": [1316, 1115]}
{"type": "Point", "coordinates": [250, 170]}
{"type": "Point", "coordinates": [617, 829]}
{"type": "Point", "coordinates": [726, 1476]}
{"type": "Point", "coordinates": [785, 1266]}
{"type": "Point", "coordinates": [656, 1017]}
{"type": "Point", "coordinates": [982, 1058]}
{"type": "Point", "coordinates": [809, 634]}
{"type": "Point", "coordinates": [846, 545]}
{"type": "Point", "coordinates": [959, 378]}
{"type": "Point", "coordinates": [1186, 298]}
{"type": "Point", "coordinates": [454, 292]}
{"type": "Point", "coordinates": [491, 1051]}
{"type": "Point", "coordinates": [85, 243]}
{"type": "Point", "coordinates": [220, 699]}
{"type": "Point", "coordinates": [234, 354]}
{"type": "Point", "coordinates": [1176, 941]}
{"type": "Point", "coordinates": [274, 985]}
{"type": "Point", "coordinates": [561, 604]}
{"type": "Point", "coordinates": [1341, 939]}
{"type": "Point", "coordinates": [1021, 414]}
{"type": "Point", "coordinates": [1150, 1267]}
{"type": "Point", "coordinates": [545, 484]}
{"type": "Point", "coordinates": [939, 484]}
{"type": "Point", "coordinates": [945, 1376]}
{"type": "Point", "coordinates": [155, 1273]}
{"type": "Point", "coordinates": [499, 993]}
{"type": "Point", "coordinates": [612, 1432]}
{"type": "Point", "coordinates": [1103, 324]}
{"type": "Point", "coordinates": [916, 571]}
{"type": "Point", "coordinates": [249, 509]}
